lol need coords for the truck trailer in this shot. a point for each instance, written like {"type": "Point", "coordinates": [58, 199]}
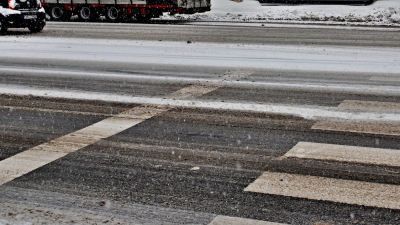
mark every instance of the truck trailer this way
{"type": "Point", "coordinates": [117, 10]}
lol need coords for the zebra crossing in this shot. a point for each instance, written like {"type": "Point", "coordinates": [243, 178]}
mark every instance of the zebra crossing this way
{"type": "Point", "coordinates": [36, 157]}
{"type": "Point", "coordinates": [294, 185]}
{"type": "Point", "coordinates": [340, 190]}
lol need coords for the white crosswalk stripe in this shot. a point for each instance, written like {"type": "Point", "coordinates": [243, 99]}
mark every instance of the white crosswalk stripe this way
{"type": "Point", "coordinates": [371, 106]}
{"type": "Point", "coordinates": [38, 156]}
{"type": "Point", "coordinates": [386, 78]}
{"type": "Point", "coordinates": [364, 126]}
{"type": "Point", "coordinates": [328, 189]}
{"type": "Point", "coordinates": [344, 153]}
{"type": "Point", "coordinates": [227, 220]}
{"type": "Point", "coordinates": [384, 128]}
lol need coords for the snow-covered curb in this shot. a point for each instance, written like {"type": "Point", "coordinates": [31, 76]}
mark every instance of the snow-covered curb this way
{"type": "Point", "coordinates": [385, 12]}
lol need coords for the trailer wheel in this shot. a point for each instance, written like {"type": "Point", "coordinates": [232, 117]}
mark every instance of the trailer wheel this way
{"type": "Point", "coordinates": [113, 14]}
{"type": "Point", "coordinates": [85, 13]}
{"type": "Point", "coordinates": [3, 27]}
{"type": "Point", "coordinates": [58, 13]}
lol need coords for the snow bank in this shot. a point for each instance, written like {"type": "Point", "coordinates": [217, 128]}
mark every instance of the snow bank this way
{"type": "Point", "coordinates": [385, 12]}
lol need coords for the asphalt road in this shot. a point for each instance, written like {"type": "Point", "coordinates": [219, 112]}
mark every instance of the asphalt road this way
{"type": "Point", "coordinates": [220, 33]}
{"type": "Point", "coordinates": [189, 163]}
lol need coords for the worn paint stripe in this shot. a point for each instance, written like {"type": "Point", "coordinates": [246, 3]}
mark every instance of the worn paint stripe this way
{"type": "Point", "coordinates": [328, 189]}
{"type": "Point", "coordinates": [371, 106]}
{"type": "Point", "coordinates": [38, 156]}
{"type": "Point", "coordinates": [227, 220]}
{"type": "Point", "coordinates": [43, 154]}
{"type": "Point", "coordinates": [308, 112]}
{"type": "Point", "coordinates": [228, 80]}
{"type": "Point", "coordinates": [366, 125]}
{"type": "Point", "coordinates": [344, 153]}
{"type": "Point", "coordinates": [385, 128]}
{"type": "Point", "coordinates": [193, 91]}
{"type": "Point", "coordinates": [386, 78]}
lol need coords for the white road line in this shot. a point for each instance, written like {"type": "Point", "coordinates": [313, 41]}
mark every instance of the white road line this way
{"type": "Point", "coordinates": [367, 125]}
{"type": "Point", "coordinates": [190, 91]}
{"type": "Point", "coordinates": [227, 220]}
{"type": "Point", "coordinates": [193, 91]}
{"type": "Point", "coordinates": [127, 75]}
{"type": "Point", "coordinates": [371, 106]}
{"type": "Point", "coordinates": [343, 153]}
{"type": "Point", "coordinates": [38, 156]}
{"type": "Point", "coordinates": [307, 112]}
{"type": "Point", "coordinates": [385, 78]}
{"type": "Point", "coordinates": [328, 189]}
{"type": "Point", "coordinates": [228, 81]}
{"type": "Point", "coordinates": [384, 128]}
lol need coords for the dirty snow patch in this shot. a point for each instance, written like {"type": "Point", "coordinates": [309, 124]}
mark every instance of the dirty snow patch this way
{"type": "Point", "coordinates": [385, 12]}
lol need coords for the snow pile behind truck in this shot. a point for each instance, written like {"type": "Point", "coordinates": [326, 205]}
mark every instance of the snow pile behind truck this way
{"type": "Point", "coordinates": [381, 12]}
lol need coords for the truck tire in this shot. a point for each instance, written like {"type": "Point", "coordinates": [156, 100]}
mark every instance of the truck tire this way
{"type": "Point", "coordinates": [86, 13]}
{"type": "Point", "coordinates": [113, 14]}
{"type": "Point", "coordinates": [3, 27]}
{"type": "Point", "coordinates": [58, 13]}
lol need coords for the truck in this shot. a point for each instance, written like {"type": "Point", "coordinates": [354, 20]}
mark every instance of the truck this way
{"type": "Point", "coordinates": [118, 10]}
{"type": "Point", "coordinates": [22, 14]}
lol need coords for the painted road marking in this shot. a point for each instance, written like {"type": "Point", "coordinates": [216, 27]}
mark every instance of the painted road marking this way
{"type": "Point", "coordinates": [364, 126]}
{"type": "Point", "coordinates": [43, 154]}
{"type": "Point", "coordinates": [371, 105]}
{"type": "Point", "coordinates": [227, 220]}
{"type": "Point", "coordinates": [328, 189]}
{"type": "Point", "coordinates": [343, 153]}
{"type": "Point", "coordinates": [228, 81]}
{"type": "Point", "coordinates": [38, 156]}
{"type": "Point", "coordinates": [190, 91]}
{"type": "Point", "coordinates": [193, 91]}
{"type": "Point", "coordinates": [307, 112]}
{"type": "Point", "coordinates": [386, 78]}
{"type": "Point", "coordinates": [385, 128]}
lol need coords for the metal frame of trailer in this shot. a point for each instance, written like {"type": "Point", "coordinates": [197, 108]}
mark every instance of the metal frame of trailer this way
{"type": "Point", "coordinates": [117, 10]}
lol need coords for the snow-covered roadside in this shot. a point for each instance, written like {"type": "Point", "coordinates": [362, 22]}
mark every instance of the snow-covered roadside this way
{"type": "Point", "coordinates": [383, 12]}
{"type": "Point", "coordinates": [360, 59]}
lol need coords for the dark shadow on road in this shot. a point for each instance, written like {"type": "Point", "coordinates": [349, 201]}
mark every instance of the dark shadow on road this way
{"type": "Point", "coordinates": [18, 32]}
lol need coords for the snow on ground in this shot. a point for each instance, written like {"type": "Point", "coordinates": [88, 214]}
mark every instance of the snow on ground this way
{"type": "Point", "coordinates": [382, 12]}
{"type": "Point", "coordinates": [362, 59]}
